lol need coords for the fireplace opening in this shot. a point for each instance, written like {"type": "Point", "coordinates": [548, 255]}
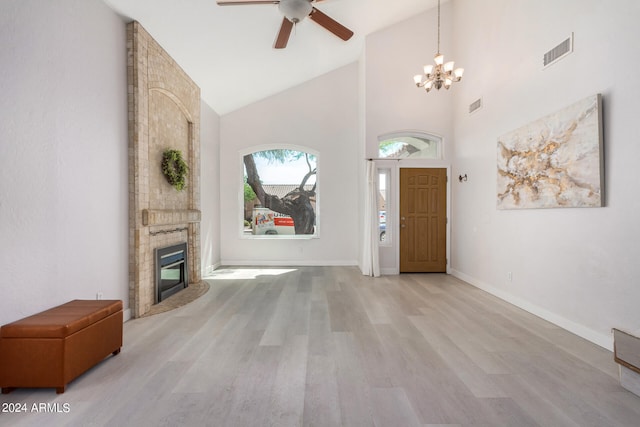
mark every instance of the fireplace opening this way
{"type": "Point", "coordinates": [171, 271]}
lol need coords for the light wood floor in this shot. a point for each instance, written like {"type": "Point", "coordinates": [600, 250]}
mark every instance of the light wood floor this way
{"type": "Point", "coordinates": [325, 346]}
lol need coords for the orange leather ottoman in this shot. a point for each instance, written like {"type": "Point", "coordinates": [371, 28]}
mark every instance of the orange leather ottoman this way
{"type": "Point", "coordinates": [52, 348]}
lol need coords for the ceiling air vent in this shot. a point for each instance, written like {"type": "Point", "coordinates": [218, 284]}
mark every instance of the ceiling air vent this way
{"type": "Point", "coordinates": [558, 52]}
{"type": "Point", "coordinates": [475, 105]}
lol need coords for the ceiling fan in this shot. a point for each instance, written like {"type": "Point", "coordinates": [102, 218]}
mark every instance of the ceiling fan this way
{"type": "Point", "coordinates": [295, 11]}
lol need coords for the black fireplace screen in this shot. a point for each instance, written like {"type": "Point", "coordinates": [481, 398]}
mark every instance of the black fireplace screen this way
{"type": "Point", "coordinates": [171, 270]}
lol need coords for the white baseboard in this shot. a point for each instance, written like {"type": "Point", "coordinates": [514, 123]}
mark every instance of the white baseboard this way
{"type": "Point", "coordinates": [603, 340]}
{"type": "Point", "coordinates": [289, 263]}
{"type": "Point", "coordinates": [126, 315]}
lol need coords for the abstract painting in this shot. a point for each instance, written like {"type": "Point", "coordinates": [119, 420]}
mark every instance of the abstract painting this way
{"type": "Point", "coordinates": [554, 162]}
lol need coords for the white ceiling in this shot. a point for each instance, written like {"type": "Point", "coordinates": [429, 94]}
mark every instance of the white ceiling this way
{"type": "Point", "coordinates": [228, 51]}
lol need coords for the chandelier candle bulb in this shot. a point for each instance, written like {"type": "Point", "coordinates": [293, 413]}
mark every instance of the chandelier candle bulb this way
{"type": "Point", "coordinates": [428, 69]}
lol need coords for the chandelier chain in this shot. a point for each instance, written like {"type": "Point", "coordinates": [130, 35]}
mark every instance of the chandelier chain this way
{"type": "Point", "coordinates": [438, 26]}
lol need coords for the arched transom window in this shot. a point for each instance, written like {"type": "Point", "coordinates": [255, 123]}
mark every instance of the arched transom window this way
{"type": "Point", "coordinates": [409, 145]}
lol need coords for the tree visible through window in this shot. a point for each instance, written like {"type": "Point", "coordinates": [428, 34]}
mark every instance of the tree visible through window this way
{"type": "Point", "coordinates": [280, 192]}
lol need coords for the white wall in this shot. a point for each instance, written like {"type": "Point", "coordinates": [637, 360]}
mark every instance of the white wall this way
{"type": "Point", "coordinates": [321, 114]}
{"type": "Point", "coordinates": [63, 155]}
{"type": "Point", "coordinates": [393, 102]}
{"type": "Point", "coordinates": [209, 188]}
{"type": "Point", "coordinates": [575, 267]}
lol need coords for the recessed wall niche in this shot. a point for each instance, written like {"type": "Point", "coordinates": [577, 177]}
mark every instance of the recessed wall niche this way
{"type": "Point", "coordinates": [164, 113]}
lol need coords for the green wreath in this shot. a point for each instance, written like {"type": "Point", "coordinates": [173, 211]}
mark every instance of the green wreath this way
{"type": "Point", "coordinates": [174, 168]}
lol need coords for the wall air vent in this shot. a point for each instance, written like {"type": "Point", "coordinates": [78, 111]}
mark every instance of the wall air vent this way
{"type": "Point", "coordinates": [475, 105]}
{"type": "Point", "coordinates": [558, 52]}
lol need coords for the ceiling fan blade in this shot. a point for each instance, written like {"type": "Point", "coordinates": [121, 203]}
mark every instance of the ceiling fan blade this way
{"type": "Point", "coordinates": [330, 24]}
{"type": "Point", "coordinates": [283, 34]}
{"type": "Point", "coordinates": [243, 2]}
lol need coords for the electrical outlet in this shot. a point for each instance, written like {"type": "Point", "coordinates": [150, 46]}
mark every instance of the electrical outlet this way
{"type": "Point", "coordinates": [510, 276]}
{"type": "Point", "coordinates": [99, 295]}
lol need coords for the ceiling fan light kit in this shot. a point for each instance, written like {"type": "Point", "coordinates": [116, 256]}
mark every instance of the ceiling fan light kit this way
{"type": "Point", "coordinates": [295, 11]}
{"type": "Point", "coordinates": [443, 74]}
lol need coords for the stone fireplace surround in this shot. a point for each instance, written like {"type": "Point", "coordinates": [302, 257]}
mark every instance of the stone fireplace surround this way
{"type": "Point", "coordinates": [164, 112]}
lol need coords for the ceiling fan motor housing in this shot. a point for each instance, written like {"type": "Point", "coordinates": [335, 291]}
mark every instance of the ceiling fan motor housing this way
{"type": "Point", "coordinates": [295, 10]}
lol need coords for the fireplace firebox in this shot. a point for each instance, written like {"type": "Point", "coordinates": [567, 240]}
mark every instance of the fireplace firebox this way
{"type": "Point", "coordinates": [171, 271]}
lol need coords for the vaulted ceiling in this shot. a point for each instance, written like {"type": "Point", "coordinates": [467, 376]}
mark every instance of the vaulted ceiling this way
{"type": "Point", "coordinates": [228, 51]}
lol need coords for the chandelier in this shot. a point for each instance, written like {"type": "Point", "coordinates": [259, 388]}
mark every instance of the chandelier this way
{"type": "Point", "coordinates": [442, 74]}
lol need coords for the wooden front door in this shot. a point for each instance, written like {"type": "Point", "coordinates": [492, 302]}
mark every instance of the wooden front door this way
{"type": "Point", "coordinates": [423, 220]}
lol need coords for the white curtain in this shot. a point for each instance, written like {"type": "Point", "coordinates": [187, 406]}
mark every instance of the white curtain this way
{"type": "Point", "coordinates": [370, 261]}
